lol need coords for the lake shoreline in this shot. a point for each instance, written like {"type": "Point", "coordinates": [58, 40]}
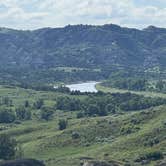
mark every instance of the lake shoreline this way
{"type": "Point", "coordinates": [89, 86]}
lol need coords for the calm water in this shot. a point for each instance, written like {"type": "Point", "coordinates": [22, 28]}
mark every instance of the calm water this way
{"type": "Point", "coordinates": [83, 87]}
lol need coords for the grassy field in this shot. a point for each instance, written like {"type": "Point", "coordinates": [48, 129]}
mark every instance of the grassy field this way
{"type": "Point", "coordinates": [116, 90]}
{"type": "Point", "coordinates": [120, 138]}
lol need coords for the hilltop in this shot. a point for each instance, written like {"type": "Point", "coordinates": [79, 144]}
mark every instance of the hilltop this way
{"type": "Point", "coordinates": [33, 55]}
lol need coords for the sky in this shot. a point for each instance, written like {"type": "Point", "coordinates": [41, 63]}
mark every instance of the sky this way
{"type": "Point", "coordinates": [34, 14]}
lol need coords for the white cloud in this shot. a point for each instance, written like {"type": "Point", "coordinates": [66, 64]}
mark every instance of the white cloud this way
{"type": "Point", "coordinates": [41, 13]}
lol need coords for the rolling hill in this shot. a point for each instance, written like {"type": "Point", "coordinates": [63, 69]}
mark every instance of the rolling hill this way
{"type": "Point", "coordinates": [83, 46]}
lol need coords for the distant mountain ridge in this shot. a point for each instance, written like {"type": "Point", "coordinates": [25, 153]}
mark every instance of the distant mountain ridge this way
{"type": "Point", "coordinates": [83, 45]}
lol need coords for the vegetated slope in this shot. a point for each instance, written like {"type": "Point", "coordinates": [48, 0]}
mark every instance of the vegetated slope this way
{"type": "Point", "coordinates": [23, 162]}
{"type": "Point", "coordinates": [82, 46]}
{"type": "Point", "coordinates": [123, 138]}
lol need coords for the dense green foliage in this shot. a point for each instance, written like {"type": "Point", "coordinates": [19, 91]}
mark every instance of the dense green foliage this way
{"type": "Point", "coordinates": [101, 104]}
{"type": "Point", "coordinates": [22, 162]}
{"type": "Point", "coordinates": [136, 84]}
{"type": "Point", "coordinates": [7, 115]}
{"type": "Point", "coordinates": [128, 83]}
{"type": "Point", "coordinates": [22, 113]}
{"type": "Point", "coordinates": [38, 104]}
{"type": "Point", "coordinates": [64, 128]}
{"type": "Point", "coordinates": [62, 124]}
{"type": "Point", "coordinates": [79, 53]}
{"type": "Point", "coordinates": [46, 113]}
{"type": "Point", "coordinates": [7, 147]}
{"type": "Point", "coordinates": [99, 130]}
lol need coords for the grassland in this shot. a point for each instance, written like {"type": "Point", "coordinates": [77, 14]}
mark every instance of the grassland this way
{"type": "Point", "coordinates": [120, 138]}
{"type": "Point", "coordinates": [116, 90]}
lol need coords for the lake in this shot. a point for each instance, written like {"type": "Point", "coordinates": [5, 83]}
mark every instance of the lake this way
{"type": "Point", "coordinates": [84, 87]}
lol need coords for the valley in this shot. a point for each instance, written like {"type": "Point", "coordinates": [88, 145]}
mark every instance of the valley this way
{"type": "Point", "coordinates": [118, 138]}
{"type": "Point", "coordinates": [82, 82]}
{"type": "Point", "coordinates": [83, 95]}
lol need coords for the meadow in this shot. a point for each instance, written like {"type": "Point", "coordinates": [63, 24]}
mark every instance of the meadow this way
{"type": "Point", "coordinates": [122, 138]}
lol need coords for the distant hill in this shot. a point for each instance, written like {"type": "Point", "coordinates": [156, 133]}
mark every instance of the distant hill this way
{"type": "Point", "coordinates": [83, 46]}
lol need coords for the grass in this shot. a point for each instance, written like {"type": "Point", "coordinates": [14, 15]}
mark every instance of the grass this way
{"type": "Point", "coordinates": [101, 138]}
{"type": "Point", "coordinates": [116, 90]}
{"type": "Point", "coordinates": [73, 69]}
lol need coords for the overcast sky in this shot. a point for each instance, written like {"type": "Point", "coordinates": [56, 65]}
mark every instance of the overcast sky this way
{"type": "Point", "coordinates": [33, 14]}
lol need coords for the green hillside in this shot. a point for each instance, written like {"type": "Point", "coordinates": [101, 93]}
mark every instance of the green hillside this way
{"type": "Point", "coordinates": [121, 138]}
{"type": "Point", "coordinates": [34, 56]}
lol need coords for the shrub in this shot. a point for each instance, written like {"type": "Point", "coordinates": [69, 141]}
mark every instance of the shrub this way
{"type": "Point", "coordinates": [7, 147]}
{"type": "Point", "coordinates": [46, 113]}
{"type": "Point", "coordinates": [156, 155]}
{"type": "Point", "coordinates": [110, 108]}
{"type": "Point", "coordinates": [80, 115]}
{"type": "Point", "coordinates": [75, 135]}
{"type": "Point", "coordinates": [39, 103]}
{"type": "Point", "coordinates": [62, 124]}
{"type": "Point", "coordinates": [151, 142]}
{"type": "Point", "coordinates": [7, 116]}
{"type": "Point", "coordinates": [92, 110]}
{"type": "Point", "coordinates": [26, 103]}
{"type": "Point", "coordinates": [22, 113]}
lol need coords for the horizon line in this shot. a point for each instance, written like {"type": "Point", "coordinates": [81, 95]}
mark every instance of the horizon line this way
{"type": "Point", "coordinates": [64, 26]}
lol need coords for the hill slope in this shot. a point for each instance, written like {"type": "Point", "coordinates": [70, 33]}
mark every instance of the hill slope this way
{"type": "Point", "coordinates": [83, 46]}
{"type": "Point", "coordinates": [132, 137]}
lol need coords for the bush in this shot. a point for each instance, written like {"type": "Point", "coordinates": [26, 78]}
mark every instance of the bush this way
{"type": "Point", "coordinates": [7, 116]}
{"type": "Point", "coordinates": [156, 155]}
{"type": "Point", "coordinates": [62, 124]}
{"type": "Point", "coordinates": [151, 142]}
{"type": "Point", "coordinates": [128, 129]}
{"type": "Point", "coordinates": [46, 113]}
{"type": "Point", "coordinates": [110, 108]}
{"type": "Point", "coordinates": [75, 135]}
{"type": "Point", "coordinates": [7, 147]}
{"type": "Point", "coordinates": [80, 115]}
{"type": "Point", "coordinates": [22, 162]}
{"type": "Point", "coordinates": [39, 103]}
{"type": "Point", "coordinates": [92, 110]}
{"type": "Point", "coordinates": [26, 103]}
{"type": "Point", "coordinates": [6, 101]}
{"type": "Point", "coordinates": [68, 104]}
{"type": "Point", "coordinates": [22, 113]}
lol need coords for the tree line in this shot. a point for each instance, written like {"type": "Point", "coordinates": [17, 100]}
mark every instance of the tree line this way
{"type": "Point", "coordinates": [101, 104]}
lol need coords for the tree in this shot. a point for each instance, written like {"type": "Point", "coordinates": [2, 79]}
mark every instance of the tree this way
{"type": "Point", "coordinates": [46, 113]}
{"type": "Point", "coordinates": [63, 89]}
{"type": "Point", "coordinates": [74, 105]}
{"type": "Point", "coordinates": [110, 108]}
{"type": "Point", "coordinates": [62, 124]}
{"type": "Point", "coordinates": [68, 104]}
{"type": "Point", "coordinates": [7, 101]}
{"type": "Point", "coordinates": [7, 147]}
{"type": "Point", "coordinates": [80, 115]}
{"type": "Point", "coordinates": [102, 112]}
{"type": "Point", "coordinates": [26, 104]}
{"type": "Point", "coordinates": [160, 85]}
{"type": "Point", "coordinates": [22, 113]}
{"type": "Point", "coordinates": [7, 116]}
{"type": "Point", "coordinates": [92, 110]}
{"type": "Point", "coordinates": [39, 103]}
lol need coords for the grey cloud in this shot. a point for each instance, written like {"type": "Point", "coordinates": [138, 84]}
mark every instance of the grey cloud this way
{"type": "Point", "coordinates": [38, 13]}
